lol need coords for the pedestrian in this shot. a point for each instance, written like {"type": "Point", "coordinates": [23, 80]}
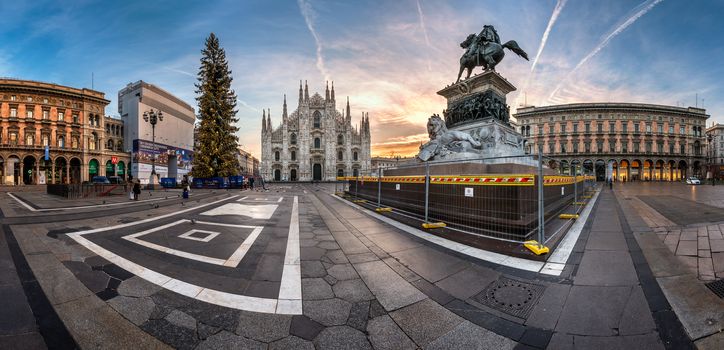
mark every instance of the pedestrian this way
{"type": "Point", "coordinates": [610, 184]}
{"type": "Point", "coordinates": [251, 183]}
{"type": "Point", "coordinates": [136, 189]}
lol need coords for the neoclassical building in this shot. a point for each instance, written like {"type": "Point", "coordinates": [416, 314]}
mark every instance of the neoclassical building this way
{"type": "Point", "coordinates": [69, 123]}
{"type": "Point", "coordinates": [316, 142]}
{"type": "Point", "coordinates": [642, 142]}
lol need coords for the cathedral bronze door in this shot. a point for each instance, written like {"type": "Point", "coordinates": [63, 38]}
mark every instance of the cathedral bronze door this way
{"type": "Point", "coordinates": [317, 172]}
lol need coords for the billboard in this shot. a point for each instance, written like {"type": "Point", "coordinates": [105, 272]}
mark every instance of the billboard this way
{"type": "Point", "coordinates": [143, 152]}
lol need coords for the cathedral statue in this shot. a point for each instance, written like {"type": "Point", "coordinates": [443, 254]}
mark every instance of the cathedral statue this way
{"type": "Point", "coordinates": [485, 50]}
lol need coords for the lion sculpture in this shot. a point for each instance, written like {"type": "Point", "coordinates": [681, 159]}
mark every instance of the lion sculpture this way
{"type": "Point", "coordinates": [444, 141]}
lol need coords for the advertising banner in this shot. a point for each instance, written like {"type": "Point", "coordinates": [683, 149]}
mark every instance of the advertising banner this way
{"type": "Point", "coordinates": [143, 152]}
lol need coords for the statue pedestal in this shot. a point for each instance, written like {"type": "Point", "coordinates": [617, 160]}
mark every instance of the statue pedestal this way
{"type": "Point", "coordinates": [488, 80]}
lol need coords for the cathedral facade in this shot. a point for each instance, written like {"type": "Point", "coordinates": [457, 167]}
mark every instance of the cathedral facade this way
{"type": "Point", "coordinates": [316, 142]}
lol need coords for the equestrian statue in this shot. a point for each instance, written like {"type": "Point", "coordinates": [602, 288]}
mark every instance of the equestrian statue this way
{"type": "Point", "coordinates": [485, 50]}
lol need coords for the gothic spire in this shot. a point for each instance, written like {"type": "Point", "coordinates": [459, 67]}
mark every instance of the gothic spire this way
{"type": "Point", "coordinates": [300, 92]}
{"type": "Point", "coordinates": [306, 92]}
{"type": "Point", "coordinates": [349, 115]}
{"type": "Point", "coordinates": [284, 113]}
{"type": "Point", "coordinates": [332, 90]}
{"type": "Point", "coordinates": [263, 122]}
{"type": "Point", "coordinates": [326, 95]}
{"type": "Point", "coordinates": [268, 122]}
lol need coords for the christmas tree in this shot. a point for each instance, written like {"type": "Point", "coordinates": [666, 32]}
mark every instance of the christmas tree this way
{"type": "Point", "coordinates": [215, 153]}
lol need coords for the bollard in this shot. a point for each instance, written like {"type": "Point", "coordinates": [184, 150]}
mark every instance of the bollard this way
{"type": "Point", "coordinates": [575, 188]}
{"type": "Point", "coordinates": [427, 189]}
{"type": "Point", "coordinates": [379, 186]}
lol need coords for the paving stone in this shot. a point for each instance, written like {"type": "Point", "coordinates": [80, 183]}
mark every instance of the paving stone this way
{"type": "Point", "coordinates": [95, 281]}
{"type": "Point", "coordinates": [304, 327]}
{"type": "Point", "coordinates": [263, 327]}
{"type": "Point", "coordinates": [561, 341]}
{"type": "Point", "coordinates": [717, 245]}
{"type": "Point", "coordinates": [291, 343]}
{"type": "Point", "coordinates": [352, 291]}
{"type": "Point", "coordinates": [600, 318]}
{"type": "Point", "coordinates": [341, 337]}
{"type": "Point", "coordinates": [331, 280]}
{"type": "Point", "coordinates": [311, 253]}
{"type": "Point", "coordinates": [646, 341]}
{"type": "Point", "coordinates": [362, 257]}
{"type": "Point", "coordinates": [330, 312]}
{"type": "Point", "coordinates": [358, 315]}
{"type": "Point", "coordinates": [177, 337]}
{"type": "Point", "coordinates": [606, 268]}
{"type": "Point", "coordinates": [227, 340]}
{"type": "Point", "coordinates": [22, 341]}
{"type": "Point", "coordinates": [17, 317]}
{"type": "Point", "coordinates": [336, 256]}
{"type": "Point", "coordinates": [342, 272]}
{"type": "Point", "coordinates": [703, 243]}
{"type": "Point", "coordinates": [691, 262]}
{"type": "Point", "coordinates": [329, 245]}
{"type": "Point", "coordinates": [425, 321]}
{"type": "Point", "coordinates": [468, 282]}
{"type": "Point", "coordinates": [606, 241]}
{"type": "Point", "coordinates": [76, 267]}
{"type": "Point", "coordinates": [546, 312]}
{"type": "Point", "coordinates": [312, 268]}
{"type": "Point", "coordinates": [393, 242]}
{"type": "Point", "coordinates": [389, 288]}
{"type": "Point", "coordinates": [706, 268]}
{"type": "Point", "coordinates": [401, 270]}
{"type": "Point", "coordinates": [716, 235]}
{"type": "Point", "coordinates": [704, 254]}
{"type": "Point", "coordinates": [213, 315]}
{"type": "Point", "coordinates": [316, 289]}
{"type": "Point", "coordinates": [137, 287]}
{"type": "Point", "coordinates": [327, 237]}
{"type": "Point", "coordinates": [467, 335]}
{"type": "Point", "coordinates": [718, 261]}
{"type": "Point", "coordinates": [689, 236]}
{"type": "Point", "coordinates": [308, 242]}
{"type": "Point", "coordinates": [384, 334]}
{"type": "Point", "coordinates": [376, 309]}
{"type": "Point", "coordinates": [136, 310]}
{"type": "Point", "coordinates": [181, 319]}
{"type": "Point", "coordinates": [636, 317]}
{"type": "Point", "coordinates": [430, 263]}
{"type": "Point", "coordinates": [433, 292]}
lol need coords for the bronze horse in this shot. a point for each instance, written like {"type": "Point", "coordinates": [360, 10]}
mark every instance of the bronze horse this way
{"type": "Point", "coordinates": [481, 52]}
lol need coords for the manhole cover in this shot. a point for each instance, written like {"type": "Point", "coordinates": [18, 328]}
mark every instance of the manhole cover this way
{"type": "Point", "coordinates": [509, 296]}
{"type": "Point", "coordinates": [717, 287]}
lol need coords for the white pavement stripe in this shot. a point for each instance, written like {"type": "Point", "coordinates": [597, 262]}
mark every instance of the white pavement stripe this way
{"type": "Point", "coordinates": [565, 247]}
{"type": "Point", "coordinates": [242, 198]}
{"type": "Point", "coordinates": [27, 206]}
{"type": "Point", "coordinates": [264, 211]}
{"type": "Point", "coordinates": [235, 258]}
{"type": "Point", "coordinates": [290, 297]}
{"type": "Point", "coordinates": [291, 284]}
{"type": "Point", "coordinates": [280, 199]}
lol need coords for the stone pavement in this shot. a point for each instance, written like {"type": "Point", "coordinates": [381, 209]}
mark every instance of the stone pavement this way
{"type": "Point", "coordinates": [364, 284]}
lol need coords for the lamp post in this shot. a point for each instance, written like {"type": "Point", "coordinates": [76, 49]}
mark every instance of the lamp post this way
{"type": "Point", "coordinates": [153, 117]}
{"type": "Point", "coordinates": [709, 156]}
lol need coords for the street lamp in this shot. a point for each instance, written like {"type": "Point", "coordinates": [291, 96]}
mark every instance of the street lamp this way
{"type": "Point", "coordinates": [153, 118]}
{"type": "Point", "coordinates": [709, 154]}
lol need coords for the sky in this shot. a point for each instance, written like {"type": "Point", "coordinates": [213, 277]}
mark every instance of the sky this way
{"type": "Point", "coordinates": [389, 57]}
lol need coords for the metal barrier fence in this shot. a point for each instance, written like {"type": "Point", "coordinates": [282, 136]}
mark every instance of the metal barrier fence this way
{"type": "Point", "coordinates": [511, 202]}
{"type": "Point", "coordinates": [76, 191]}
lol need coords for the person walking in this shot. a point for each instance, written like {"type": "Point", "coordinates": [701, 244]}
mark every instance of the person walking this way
{"type": "Point", "coordinates": [136, 189]}
{"type": "Point", "coordinates": [251, 183]}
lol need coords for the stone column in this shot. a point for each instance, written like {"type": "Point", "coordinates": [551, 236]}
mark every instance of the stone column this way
{"type": "Point", "coordinates": [36, 173]}
{"type": "Point", "coordinates": [20, 178]}
{"type": "Point", "coordinates": [67, 172]}
{"type": "Point", "coordinates": [52, 173]}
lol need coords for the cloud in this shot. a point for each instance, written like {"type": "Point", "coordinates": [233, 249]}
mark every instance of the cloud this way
{"type": "Point", "coordinates": [424, 31]}
{"type": "Point", "coordinates": [637, 13]}
{"type": "Point", "coordinates": [309, 17]}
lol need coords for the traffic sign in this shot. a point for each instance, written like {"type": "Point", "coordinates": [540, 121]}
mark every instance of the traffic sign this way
{"type": "Point", "coordinates": [114, 160]}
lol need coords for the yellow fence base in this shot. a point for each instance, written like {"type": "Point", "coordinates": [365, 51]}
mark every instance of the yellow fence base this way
{"type": "Point", "coordinates": [434, 225]}
{"type": "Point", "coordinates": [359, 201]}
{"type": "Point", "coordinates": [579, 203]}
{"type": "Point", "coordinates": [568, 216]}
{"type": "Point", "coordinates": [383, 210]}
{"type": "Point", "coordinates": [587, 197]}
{"type": "Point", "coordinates": [536, 248]}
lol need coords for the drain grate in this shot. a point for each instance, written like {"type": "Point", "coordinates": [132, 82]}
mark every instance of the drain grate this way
{"type": "Point", "coordinates": [717, 287]}
{"type": "Point", "coordinates": [509, 296]}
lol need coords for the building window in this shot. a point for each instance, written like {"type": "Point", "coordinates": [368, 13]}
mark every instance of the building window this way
{"type": "Point", "coordinates": [29, 140]}
{"type": "Point", "coordinates": [671, 148]}
{"type": "Point", "coordinates": [648, 128]}
{"type": "Point", "coordinates": [612, 146]}
{"type": "Point", "coordinates": [317, 142]}
{"type": "Point", "coordinates": [682, 130]}
{"type": "Point", "coordinates": [563, 147]}
{"type": "Point", "coordinates": [92, 142]}
{"type": "Point", "coordinates": [46, 114]}
{"type": "Point", "coordinates": [624, 147]}
{"type": "Point", "coordinates": [29, 114]}
{"type": "Point", "coordinates": [600, 125]}
{"type": "Point", "coordinates": [588, 127]}
{"type": "Point", "coordinates": [293, 139]}
{"type": "Point", "coordinates": [575, 147]}
{"type": "Point", "coordinates": [61, 115]}
{"type": "Point", "coordinates": [13, 138]}
{"type": "Point", "coordinates": [75, 118]}
{"type": "Point", "coordinates": [339, 155]}
{"type": "Point", "coordinates": [13, 98]}
{"type": "Point", "coordinates": [13, 112]}
{"type": "Point", "coordinates": [354, 156]}
{"type": "Point", "coordinates": [671, 129]}
{"type": "Point", "coordinates": [317, 120]}
{"type": "Point", "coordinates": [74, 142]}
{"type": "Point", "coordinates": [648, 147]}
{"type": "Point", "coordinates": [637, 147]}
{"type": "Point", "coordinates": [682, 149]}
{"type": "Point", "coordinates": [46, 140]}
{"type": "Point", "coordinates": [588, 147]}
{"type": "Point", "coordinates": [340, 139]}
{"type": "Point", "coordinates": [611, 126]}
{"type": "Point", "coordinates": [552, 129]}
{"type": "Point", "coordinates": [61, 142]}
{"type": "Point", "coordinates": [563, 127]}
{"type": "Point", "coordinates": [624, 127]}
{"type": "Point", "coordinates": [276, 156]}
{"type": "Point", "coordinates": [636, 128]}
{"type": "Point", "coordinates": [294, 155]}
{"type": "Point", "coordinates": [660, 129]}
{"type": "Point", "coordinates": [599, 146]}
{"type": "Point", "coordinates": [660, 147]}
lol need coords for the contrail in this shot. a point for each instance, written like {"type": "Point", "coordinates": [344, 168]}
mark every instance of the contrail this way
{"type": "Point", "coordinates": [637, 13]}
{"type": "Point", "coordinates": [554, 17]}
{"type": "Point", "coordinates": [309, 16]}
{"type": "Point", "coordinates": [424, 32]}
